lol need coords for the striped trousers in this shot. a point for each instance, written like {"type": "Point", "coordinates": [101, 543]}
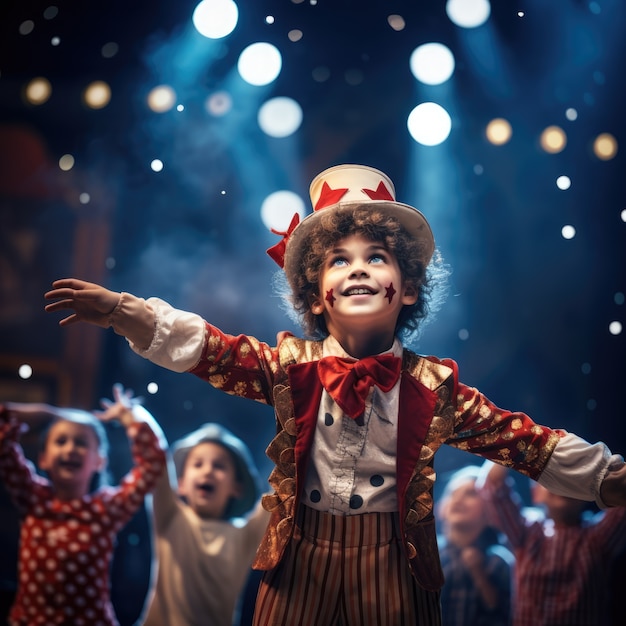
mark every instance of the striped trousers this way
{"type": "Point", "coordinates": [344, 571]}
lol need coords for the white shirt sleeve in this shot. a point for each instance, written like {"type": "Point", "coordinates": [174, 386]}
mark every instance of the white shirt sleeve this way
{"type": "Point", "coordinates": [577, 468]}
{"type": "Point", "coordinates": [178, 335]}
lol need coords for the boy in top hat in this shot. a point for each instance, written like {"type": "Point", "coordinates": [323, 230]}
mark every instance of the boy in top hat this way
{"type": "Point", "coordinates": [203, 546]}
{"type": "Point", "coordinates": [351, 538]}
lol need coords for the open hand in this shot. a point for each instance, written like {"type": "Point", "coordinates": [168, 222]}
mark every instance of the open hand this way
{"type": "Point", "coordinates": [120, 408]}
{"type": "Point", "coordinates": [89, 301]}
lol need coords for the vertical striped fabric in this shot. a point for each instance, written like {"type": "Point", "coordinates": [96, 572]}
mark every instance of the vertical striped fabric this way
{"type": "Point", "coordinates": [345, 571]}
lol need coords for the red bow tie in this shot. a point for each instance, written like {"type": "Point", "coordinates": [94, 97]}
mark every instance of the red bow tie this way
{"type": "Point", "coordinates": [348, 382]}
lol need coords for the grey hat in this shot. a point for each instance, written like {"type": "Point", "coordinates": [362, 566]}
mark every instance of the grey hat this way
{"type": "Point", "coordinates": [247, 473]}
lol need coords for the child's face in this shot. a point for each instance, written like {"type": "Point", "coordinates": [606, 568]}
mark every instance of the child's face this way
{"type": "Point", "coordinates": [209, 480]}
{"type": "Point", "coordinates": [464, 507]}
{"type": "Point", "coordinates": [71, 457]}
{"type": "Point", "coordinates": [361, 286]}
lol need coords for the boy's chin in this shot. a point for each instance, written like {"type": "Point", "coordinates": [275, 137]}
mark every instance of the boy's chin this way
{"type": "Point", "coordinates": [207, 511]}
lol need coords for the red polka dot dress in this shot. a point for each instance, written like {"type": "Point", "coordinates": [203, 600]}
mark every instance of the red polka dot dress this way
{"type": "Point", "coordinates": [66, 546]}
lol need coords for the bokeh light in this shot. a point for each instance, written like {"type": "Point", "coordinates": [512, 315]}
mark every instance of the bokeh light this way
{"type": "Point", "coordinates": [280, 117]}
{"type": "Point", "coordinates": [468, 13]}
{"type": "Point", "coordinates": [553, 140]}
{"type": "Point", "coordinates": [498, 132]}
{"type": "Point", "coordinates": [161, 98]}
{"type": "Point", "coordinates": [66, 162]}
{"type": "Point", "coordinates": [25, 371]}
{"type": "Point", "coordinates": [605, 146]}
{"type": "Point", "coordinates": [278, 209]}
{"type": "Point", "coordinates": [432, 63]}
{"type": "Point", "coordinates": [215, 19]}
{"type": "Point", "coordinates": [97, 95]}
{"type": "Point", "coordinates": [429, 124]}
{"type": "Point", "coordinates": [38, 91]}
{"type": "Point", "coordinates": [260, 63]}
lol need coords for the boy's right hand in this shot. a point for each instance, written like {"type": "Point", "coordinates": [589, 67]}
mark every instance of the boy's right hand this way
{"type": "Point", "coordinates": [90, 302]}
{"type": "Point", "coordinates": [124, 407]}
{"type": "Point", "coordinates": [493, 474]}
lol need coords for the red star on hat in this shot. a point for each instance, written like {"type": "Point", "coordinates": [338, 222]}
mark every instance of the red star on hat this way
{"type": "Point", "coordinates": [380, 193]}
{"type": "Point", "coordinates": [328, 196]}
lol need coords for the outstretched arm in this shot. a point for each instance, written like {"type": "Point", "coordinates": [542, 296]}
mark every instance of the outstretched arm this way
{"type": "Point", "coordinates": [90, 302]}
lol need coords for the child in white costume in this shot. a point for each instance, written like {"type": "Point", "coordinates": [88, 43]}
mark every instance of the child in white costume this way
{"type": "Point", "coordinates": [204, 547]}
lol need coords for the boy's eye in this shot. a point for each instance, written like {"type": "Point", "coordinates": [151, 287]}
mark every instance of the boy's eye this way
{"type": "Point", "coordinates": [338, 261]}
{"type": "Point", "coordinates": [377, 258]}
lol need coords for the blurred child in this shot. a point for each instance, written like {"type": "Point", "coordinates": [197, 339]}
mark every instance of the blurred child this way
{"type": "Point", "coordinates": [359, 416]}
{"type": "Point", "coordinates": [563, 561]}
{"type": "Point", "coordinates": [204, 546]}
{"type": "Point", "coordinates": [69, 523]}
{"type": "Point", "coordinates": [476, 566]}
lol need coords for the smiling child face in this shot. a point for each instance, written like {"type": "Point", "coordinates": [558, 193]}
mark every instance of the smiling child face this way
{"type": "Point", "coordinates": [361, 287]}
{"type": "Point", "coordinates": [209, 480]}
{"type": "Point", "coordinates": [71, 456]}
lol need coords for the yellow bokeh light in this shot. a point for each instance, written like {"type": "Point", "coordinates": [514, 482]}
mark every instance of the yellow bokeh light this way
{"type": "Point", "coordinates": [605, 147]}
{"type": "Point", "coordinates": [553, 139]}
{"type": "Point", "coordinates": [66, 162]}
{"type": "Point", "coordinates": [499, 131]}
{"type": "Point", "coordinates": [161, 99]}
{"type": "Point", "coordinates": [38, 90]}
{"type": "Point", "coordinates": [97, 95]}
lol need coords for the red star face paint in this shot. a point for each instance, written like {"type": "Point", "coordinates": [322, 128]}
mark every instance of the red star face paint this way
{"type": "Point", "coordinates": [330, 298]}
{"type": "Point", "coordinates": [390, 292]}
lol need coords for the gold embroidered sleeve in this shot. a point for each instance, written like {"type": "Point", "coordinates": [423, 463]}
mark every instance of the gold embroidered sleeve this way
{"type": "Point", "coordinates": [238, 365]}
{"type": "Point", "coordinates": [505, 437]}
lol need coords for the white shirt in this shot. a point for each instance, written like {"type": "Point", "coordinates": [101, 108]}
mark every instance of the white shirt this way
{"type": "Point", "coordinates": [352, 466]}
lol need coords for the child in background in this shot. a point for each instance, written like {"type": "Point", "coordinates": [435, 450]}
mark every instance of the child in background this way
{"type": "Point", "coordinates": [476, 566]}
{"type": "Point", "coordinates": [359, 417]}
{"type": "Point", "coordinates": [563, 562]}
{"type": "Point", "coordinates": [204, 547]}
{"type": "Point", "coordinates": [68, 531]}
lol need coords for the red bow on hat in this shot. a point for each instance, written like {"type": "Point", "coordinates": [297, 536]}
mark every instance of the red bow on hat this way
{"type": "Point", "coordinates": [328, 197]}
{"type": "Point", "coordinates": [277, 251]}
{"type": "Point", "coordinates": [348, 382]}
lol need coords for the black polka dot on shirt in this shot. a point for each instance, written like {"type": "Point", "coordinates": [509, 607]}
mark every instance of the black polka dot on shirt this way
{"type": "Point", "coordinates": [328, 419]}
{"type": "Point", "coordinates": [356, 502]}
{"type": "Point", "coordinates": [315, 496]}
{"type": "Point", "coordinates": [376, 480]}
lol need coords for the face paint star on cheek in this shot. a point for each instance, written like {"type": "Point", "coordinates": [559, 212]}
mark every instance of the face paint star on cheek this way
{"type": "Point", "coordinates": [391, 292]}
{"type": "Point", "coordinates": [330, 298]}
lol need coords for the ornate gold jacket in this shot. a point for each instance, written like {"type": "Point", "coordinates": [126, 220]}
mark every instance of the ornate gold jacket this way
{"type": "Point", "coordinates": [434, 408]}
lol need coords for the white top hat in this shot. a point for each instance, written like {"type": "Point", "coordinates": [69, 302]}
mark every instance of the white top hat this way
{"type": "Point", "coordinates": [345, 187]}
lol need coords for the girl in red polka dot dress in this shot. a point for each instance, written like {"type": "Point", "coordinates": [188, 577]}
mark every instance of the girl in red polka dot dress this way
{"type": "Point", "coordinates": [67, 530]}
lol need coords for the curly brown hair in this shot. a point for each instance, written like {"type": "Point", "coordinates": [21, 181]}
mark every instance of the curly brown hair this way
{"type": "Point", "coordinates": [374, 225]}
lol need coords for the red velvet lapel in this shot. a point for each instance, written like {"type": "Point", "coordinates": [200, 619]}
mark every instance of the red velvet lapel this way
{"type": "Point", "coordinates": [416, 409]}
{"type": "Point", "coordinates": [306, 393]}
